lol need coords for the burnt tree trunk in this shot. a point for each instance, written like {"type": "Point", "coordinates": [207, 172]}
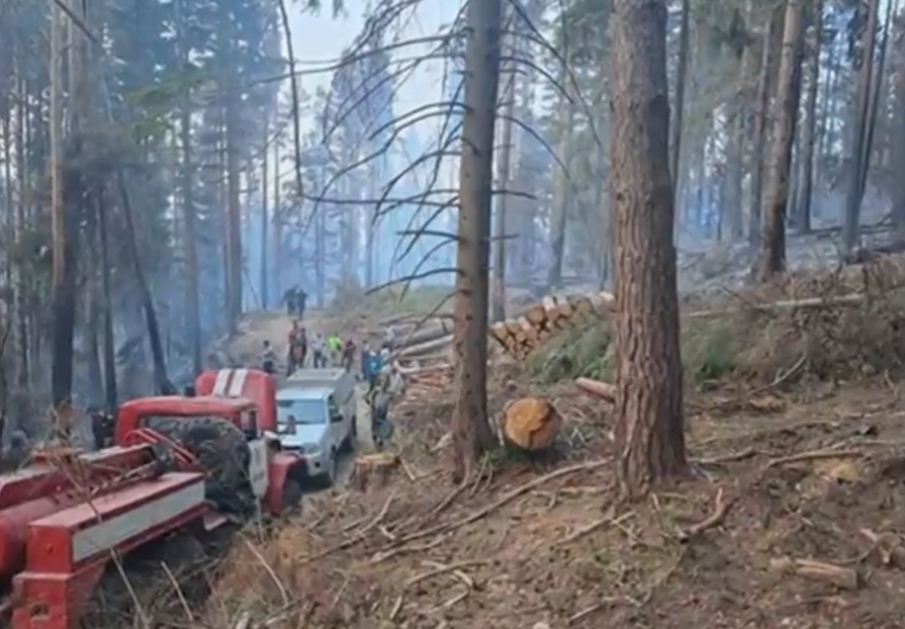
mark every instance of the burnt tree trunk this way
{"type": "Point", "coordinates": [772, 258]}
{"type": "Point", "coordinates": [470, 429]}
{"type": "Point", "coordinates": [650, 425]}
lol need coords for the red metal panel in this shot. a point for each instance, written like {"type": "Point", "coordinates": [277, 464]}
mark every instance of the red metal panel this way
{"type": "Point", "coordinates": [117, 519]}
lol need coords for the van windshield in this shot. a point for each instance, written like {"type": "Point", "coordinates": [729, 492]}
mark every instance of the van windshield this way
{"type": "Point", "coordinates": [307, 412]}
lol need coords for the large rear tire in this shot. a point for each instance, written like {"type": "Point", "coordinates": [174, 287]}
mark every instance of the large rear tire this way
{"type": "Point", "coordinates": [222, 452]}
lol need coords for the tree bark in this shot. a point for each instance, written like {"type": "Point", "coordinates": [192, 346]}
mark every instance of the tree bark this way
{"type": "Point", "coordinates": [650, 425]}
{"type": "Point", "coordinates": [760, 131]}
{"type": "Point", "coordinates": [498, 299]}
{"type": "Point", "coordinates": [470, 429]}
{"type": "Point", "coordinates": [809, 132]}
{"type": "Point", "coordinates": [772, 258]}
{"type": "Point", "coordinates": [63, 296]}
{"type": "Point", "coordinates": [190, 239]}
{"type": "Point", "coordinates": [859, 131]}
{"type": "Point", "coordinates": [675, 147]}
{"type": "Point", "coordinates": [898, 137]}
{"type": "Point", "coordinates": [563, 191]}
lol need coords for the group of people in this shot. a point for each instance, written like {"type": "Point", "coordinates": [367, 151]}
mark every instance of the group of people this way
{"type": "Point", "coordinates": [296, 300]}
{"type": "Point", "coordinates": [325, 351]}
{"type": "Point", "coordinates": [382, 378]}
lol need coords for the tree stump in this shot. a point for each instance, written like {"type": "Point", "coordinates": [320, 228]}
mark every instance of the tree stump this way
{"type": "Point", "coordinates": [373, 470]}
{"type": "Point", "coordinates": [530, 424]}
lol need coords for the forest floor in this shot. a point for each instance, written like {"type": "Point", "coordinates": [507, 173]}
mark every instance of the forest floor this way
{"type": "Point", "coordinates": [778, 480]}
{"type": "Point", "coordinates": [792, 514]}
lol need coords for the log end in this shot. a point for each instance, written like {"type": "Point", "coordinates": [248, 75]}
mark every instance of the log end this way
{"type": "Point", "coordinates": [530, 424]}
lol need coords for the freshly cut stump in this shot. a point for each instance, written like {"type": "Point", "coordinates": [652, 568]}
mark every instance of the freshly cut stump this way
{"type": "Point", "coordinates": [530, 424]}
{"type": "Point", "coordinates": [373, 469]}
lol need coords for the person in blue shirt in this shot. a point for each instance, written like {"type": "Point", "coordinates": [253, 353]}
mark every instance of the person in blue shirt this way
{"type": "Point", "coordinates": [372, 365]}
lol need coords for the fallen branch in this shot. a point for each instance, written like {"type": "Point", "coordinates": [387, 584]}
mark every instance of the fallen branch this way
{"type": "Point", "coordinates": [814, 455]}
{"type": "Point", "coordinates": [843, 578]}
{"type": "Point", "coordinates": [595, 387]}
{"type": "Point", "coordinates": [889, 547]}
{"type": "Point", "coordinates": [787, 304]}
{"type": "Point", "coordinates": [438, 569]}
{"type": "Point", "coordinates": [593, 526]}
{"type": "Point", "coordinates": [506, 498]}
{"type": "Point", "coordinates": [720, 511]}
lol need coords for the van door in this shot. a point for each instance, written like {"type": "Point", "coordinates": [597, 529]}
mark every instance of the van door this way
{"type": "Point", "coordinates": [337, 421]}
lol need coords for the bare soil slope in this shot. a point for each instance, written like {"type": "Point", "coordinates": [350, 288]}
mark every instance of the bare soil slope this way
{"type": "Point", "coordinates": [779, 481]}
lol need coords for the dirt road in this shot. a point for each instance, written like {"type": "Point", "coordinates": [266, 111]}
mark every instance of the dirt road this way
{"type": "Point", "coordinates": [245, 348]}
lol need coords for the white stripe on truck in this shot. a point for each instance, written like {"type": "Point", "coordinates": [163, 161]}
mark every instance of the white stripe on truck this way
{"type": "Point", "coordinates": [238, 383]}
{"type": "Point", "coordinates": [107, 535]}
{"type": "Point", "coordinates": [222, 381]}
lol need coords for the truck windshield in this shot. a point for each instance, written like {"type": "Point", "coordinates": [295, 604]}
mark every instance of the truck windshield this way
{"type": "Point", "coordinates": [307, 412]}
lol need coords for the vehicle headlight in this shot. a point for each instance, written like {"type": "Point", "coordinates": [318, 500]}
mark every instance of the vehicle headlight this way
{"type": "Point", "coordinates": [310, 448]}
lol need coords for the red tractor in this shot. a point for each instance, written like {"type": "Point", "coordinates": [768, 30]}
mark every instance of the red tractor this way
{"type": "Point", "coordinates": [180, 468]}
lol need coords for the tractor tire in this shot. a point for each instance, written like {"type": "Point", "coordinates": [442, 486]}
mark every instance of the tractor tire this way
{"type": "Point", "coordinates": [222, 453]}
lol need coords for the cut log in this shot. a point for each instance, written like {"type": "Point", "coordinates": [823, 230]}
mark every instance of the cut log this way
{"type": "Point", "coordinates": [785, 304]}
{"type": "Point", "coordinates": [522, 335]}
{"type": "Point", "coordinates": [373, 470]}
{"type": "Point", "coordinates": [601, 389]}
{"type": "Point", "coordinates": [529, 424]}
{"type": "Point", "coordinates": [423, 348]}
{"type": "Point", "coordinates": [425, 334]}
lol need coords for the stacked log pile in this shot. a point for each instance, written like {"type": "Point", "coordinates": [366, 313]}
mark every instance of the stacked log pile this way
{"type": "Point", "coordinates": [522, 335]}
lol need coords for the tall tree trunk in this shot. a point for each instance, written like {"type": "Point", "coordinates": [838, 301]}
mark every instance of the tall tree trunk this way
{"type": "Point", "coordinates": [563, 190]}
{"type": "Point", "coordinates": [24, 368]}
{"type": "Point", "coordinates": [733, 201]}
{"type": "Point", "coordinates": [277, 219]}
{"type": "Point", "coordinates": [504, 179]}
{"type": "Point", "coordinates": [187, 174]}
{"type": "Point", "coordinates": [675, 146]}
{"type": "Point", "coordinates": [759, 134]}
{"type": "Point", "coordinates": [470, 429]}
{"type": "Point", "coordinates": [772, 259]}
{"type": "Point", "coordinates": [650, 436]}
{"type": "Point", "coordinates": [265, 219]}
{"type": "Point", "coordinates": [809, 131]}
{"type": "Point", "coordinates": [111, 396]}
{"type": "Point", "coordinates": [898, 136]}
{"type": "Point", "coordinates": [62, 294]}
{"type": "Point", "coordinates": [162, 381]}
{"type": "Point", "coordinates": [857, 165]}
{"type": "Point", "coordinates": [233, 212]}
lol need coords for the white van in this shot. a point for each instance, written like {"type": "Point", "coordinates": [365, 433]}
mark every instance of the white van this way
{"type": "Point", "coordinates": [316, 417]}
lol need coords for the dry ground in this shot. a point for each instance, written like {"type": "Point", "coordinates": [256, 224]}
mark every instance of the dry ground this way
{"type": "Point", "coordinates": [792, 515]}
{"type": "Point", "coordinates": [778, 478]}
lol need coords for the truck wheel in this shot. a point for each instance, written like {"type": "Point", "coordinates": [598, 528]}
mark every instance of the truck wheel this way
{"type": "Point", "coordinates": [222, 453]}
{"type": "Point", "coordinates": [292, 497]}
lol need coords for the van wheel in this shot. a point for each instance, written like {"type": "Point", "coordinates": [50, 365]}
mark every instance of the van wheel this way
{"type": "Point", "coordinates": [348, 445]}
